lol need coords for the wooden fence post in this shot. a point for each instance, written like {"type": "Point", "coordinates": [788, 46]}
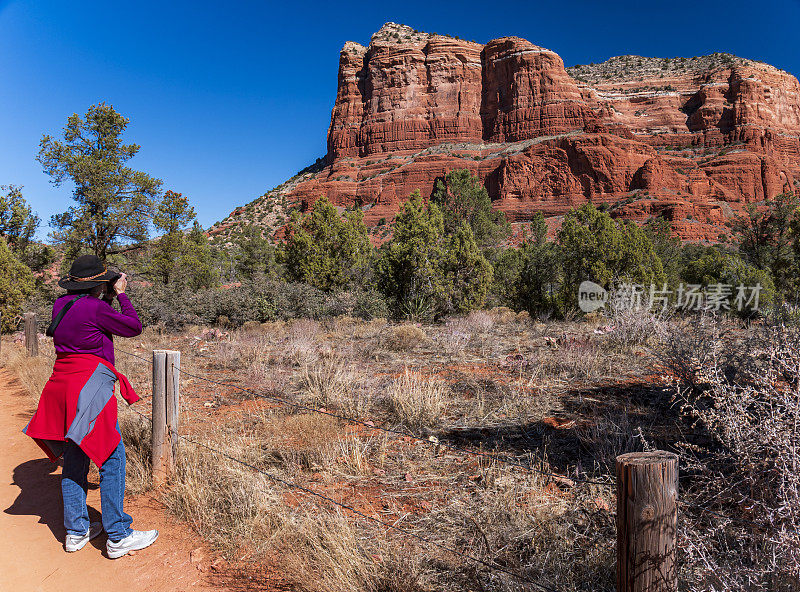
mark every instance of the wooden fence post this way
{"type": "Point", "coordinates": [159, 416]}
{"type": "Point", "coordinates": [31, 336]}
{"type": "Point", "coordinates": [647, 517]}
{"type": "Point", "coordinates": [173, 366]}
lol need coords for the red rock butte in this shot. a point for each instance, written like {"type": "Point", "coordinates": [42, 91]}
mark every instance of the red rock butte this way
{"type": "Point", "coordinates": [689, 139]}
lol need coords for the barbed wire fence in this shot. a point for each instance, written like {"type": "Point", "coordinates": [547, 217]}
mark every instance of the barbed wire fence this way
{"type": "Point", "coordinates": [430, 441]}
{"type": "Point", "coordinates": [435, 442]}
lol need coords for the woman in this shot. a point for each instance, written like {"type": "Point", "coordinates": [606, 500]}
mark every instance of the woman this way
{"type": "Point", "coordinates": [77, 413]}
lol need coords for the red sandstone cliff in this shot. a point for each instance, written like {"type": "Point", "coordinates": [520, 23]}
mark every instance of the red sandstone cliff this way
{"type": "Point", "coordinates": [691, 139]}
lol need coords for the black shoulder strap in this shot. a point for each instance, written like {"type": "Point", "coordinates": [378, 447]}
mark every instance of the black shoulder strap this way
{"type": "Point", "coordinates": [52, 328]}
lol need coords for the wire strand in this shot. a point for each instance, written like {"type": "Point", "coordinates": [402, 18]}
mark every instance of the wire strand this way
{"type": "Point", "coordinates": [398, 432]}
{"type": "Point", "coordinates": [404, 531]}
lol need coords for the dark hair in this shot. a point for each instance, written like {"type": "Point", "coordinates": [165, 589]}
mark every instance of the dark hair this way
{"type": "Point", "coordinates": [89, 291]}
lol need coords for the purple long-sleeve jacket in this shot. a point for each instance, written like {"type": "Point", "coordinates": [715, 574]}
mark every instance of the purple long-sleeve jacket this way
{"type": "Point", "coordinates": [89, 326]}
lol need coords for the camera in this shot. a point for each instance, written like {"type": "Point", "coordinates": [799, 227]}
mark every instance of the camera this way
{"type": "Point", "coordinates": [110, 292]}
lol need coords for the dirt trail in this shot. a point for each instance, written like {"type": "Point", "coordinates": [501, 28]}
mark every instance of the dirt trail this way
{"type": "Point", "coordinates": [32, 557]}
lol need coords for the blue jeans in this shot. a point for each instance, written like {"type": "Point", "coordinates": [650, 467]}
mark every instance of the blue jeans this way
{"type": "Point", "coordinates": [74, 484]}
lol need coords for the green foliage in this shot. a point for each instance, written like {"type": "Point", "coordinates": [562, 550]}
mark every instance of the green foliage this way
{"type": "Point", "coordinates": [16, 284]}
{"type": "Point", "coordinates": [409, 268]}
{"type": "Point", "coordinates": [462, 198]}
{"type": "Point", "coordinates": [467, 273]}
{"type": "Point", "coordinates": [666, 246]}
{"type": "Point", "coordinates": [765, 238]}
{"type": "Point", "coordinates": [260, 300]}
{"type": "Point", "coordinates": [528, 278]}
{"type": "Point", "coordinates": [255, 254]}
{"type": "Point", "coordinates": [716, 266]}
{"type": "Point", "coordinates": [198, 260]}
{"type": "Point", "coordinates": [326, 250]}
{"type": "Point", "coordinates": [427, 273]}
{"type": "Point", "coordinates": [172, 216]}
{"type": "Point", "coordinates": [506, 265]}
{"type": "Point", "coordinates": [18, 225]}
{"type": "Point", "coordinates": [595, 247]}
{"type": "Point", "coordinates": [114, 203]}
{"type": "Point", "coordinates": [539, 269]}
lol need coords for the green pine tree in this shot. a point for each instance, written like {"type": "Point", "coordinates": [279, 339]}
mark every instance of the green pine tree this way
{"type": "Point", "coordinates": [173, 215]}
{"type": "Point", "coordinates": [467, 273]}
{"type": "Point", "coordinates": [325, 249]}
{"type": "Point", "coordinates": [462, 198]}
{"type": "Point", "coordinates": [18, 223]}
{"type": "Point", "coordinates": [198, 260]}
{"type": "Point", "coordinates": [114, 203]}
{"type": "Point", "coordinates": [255, 254]}
{"type": "Point", "coordinates": [540, 265]}
{"type": "Point", "coordinates": [16, 284]}
{"type": "Point", "coordinates": [424, 271]}
{"type": "Point", "coordinates": [595, 247]}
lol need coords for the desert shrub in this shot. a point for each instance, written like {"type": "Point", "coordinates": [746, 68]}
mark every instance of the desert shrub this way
{"type": "Point", "coordinates": [326, 250]}
{"type": "Point", "coordinates": [404, 337]}
{"type": "Point", "coordinates": [251, 326]}
{"type": "Point", "coordinates": [741, 392]}
{"type": "Point", "coordinates": [454, 337]}
{"type": "Point", "coordinates": [503, 315]}
{"type": "Point", "coordinates": [362, 303]}
{"type": "Point", "coordinates": [596, 247]}
{"type": "Point", "coordinates": [303, 342]}
{"type": "Point", "coordinates": [718, 267]}
{"type": "Point", "coordinates": [370, 329]}
{"type": "Point", "coordinates": [634, 325]}
{"type": "Point", "coordinates": [416, 400]}
{"type": "Point", "coordinates": [16, 284]}
{"type": "Point", "coordinates": [426, 273]}
{"type": "Point", "coordinates": [259, 301]}
{"type": "Point", "coordinates": [482, 321]}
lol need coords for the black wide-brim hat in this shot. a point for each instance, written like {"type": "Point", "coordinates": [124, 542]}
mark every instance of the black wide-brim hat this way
{"type": "Point", "coordinates": [87, 271]}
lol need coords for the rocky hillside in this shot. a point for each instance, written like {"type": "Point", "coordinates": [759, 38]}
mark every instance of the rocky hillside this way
{"type": "Point", "coordinates": [692, 139]}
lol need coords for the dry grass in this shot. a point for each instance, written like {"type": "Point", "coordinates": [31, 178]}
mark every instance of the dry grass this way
{"type": "Point", "coordinates": [335, 384]}
{"type": "Point", "coordinates": [32, 373]}
{"type": "Point", "coordinates": [404, 337]}
{"type": "Point", "coordinates": [485, 381]}
{"type": "Point", "coordinates": [417, 401]}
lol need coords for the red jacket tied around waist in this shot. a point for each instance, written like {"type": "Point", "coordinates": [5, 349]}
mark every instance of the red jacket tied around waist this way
{"type": "Point", "coordinates": [78, 404]}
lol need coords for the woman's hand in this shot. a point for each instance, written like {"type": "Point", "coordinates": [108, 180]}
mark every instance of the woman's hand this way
{"type": "Point", "coordinates": [121, 284]}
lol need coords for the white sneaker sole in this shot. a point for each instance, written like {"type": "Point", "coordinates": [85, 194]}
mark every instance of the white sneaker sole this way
{"type": "Point", "coordinates": [122, 552]}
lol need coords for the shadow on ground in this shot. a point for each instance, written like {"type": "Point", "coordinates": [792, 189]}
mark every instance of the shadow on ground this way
{"type": "Point", "coordinates": [40, 495]}
{"type": "Point", "coordinates": [595, 424]}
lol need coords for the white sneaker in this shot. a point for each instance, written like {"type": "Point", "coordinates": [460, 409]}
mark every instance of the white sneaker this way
{"type": "Point", "coordinates": [138, 539]}
{"type": "Point", "coordinates": [76, 543]}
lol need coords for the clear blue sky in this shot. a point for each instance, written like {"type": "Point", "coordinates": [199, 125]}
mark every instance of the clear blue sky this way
{"type": "Point", "coordinates": [230, 99]}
